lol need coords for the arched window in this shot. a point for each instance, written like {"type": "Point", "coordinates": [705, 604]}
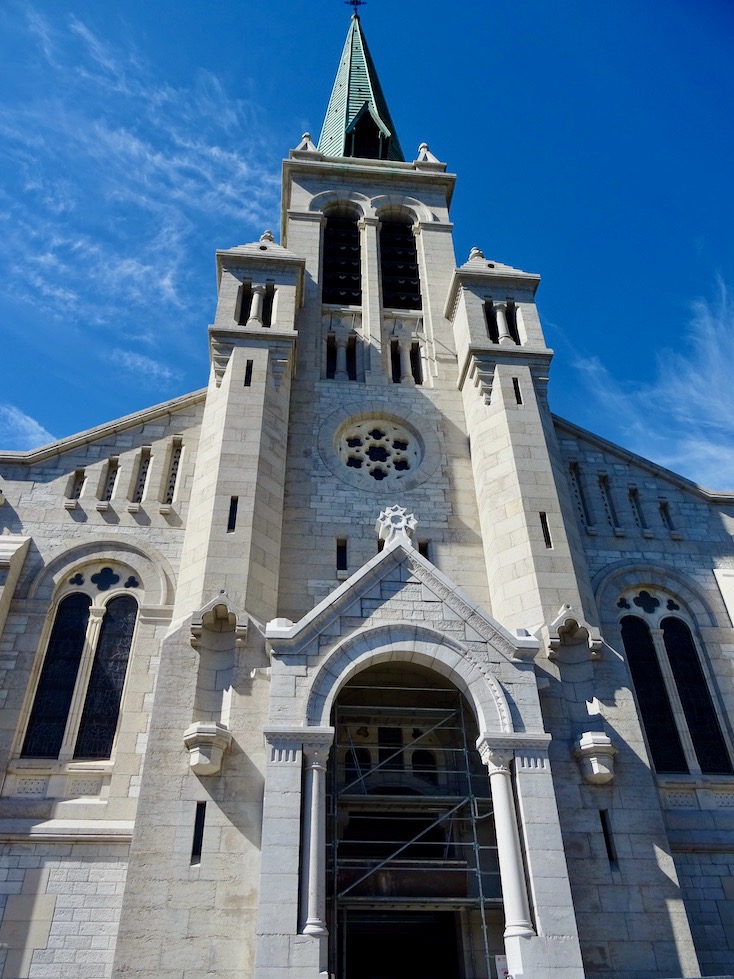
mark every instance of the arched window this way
{"type": "Point", "coordinates": [78, 654]}
{"type": "Point", "coordinates": [342, 268]}
{"type": "Point", "coordinates": [401, 288]}
{"type": "Point", "coordinates": [676, 706]}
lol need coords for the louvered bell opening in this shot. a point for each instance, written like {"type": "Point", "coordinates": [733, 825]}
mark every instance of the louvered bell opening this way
{"type": "Point", "coordinates": [342, 279]}
{"type": "Point", "coordinates": [400, 282]}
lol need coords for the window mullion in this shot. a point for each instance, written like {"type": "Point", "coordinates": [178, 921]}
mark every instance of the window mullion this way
{"type": "Point", "coordinates": [94, 625]}
{"type": "Point", "coordinates": [675, 702]}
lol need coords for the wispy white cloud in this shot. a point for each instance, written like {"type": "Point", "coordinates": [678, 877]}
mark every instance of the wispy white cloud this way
{"type": "Point", "coordinates": [20, 432]}
{"type": "Point", "coordinates": [683, 419]}
{"type": "Point", "coordinates": [147, 370]}
{"type": "Point", "coordinates": [113, 178]}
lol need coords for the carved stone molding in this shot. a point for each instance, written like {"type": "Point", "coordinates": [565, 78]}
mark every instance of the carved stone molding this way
{"type": "Point", "coordinates": [569, 628]}
{"type": "Point", "coordinates": [595, 754]}
{"type": "Point", "coordinates": [206, 742]}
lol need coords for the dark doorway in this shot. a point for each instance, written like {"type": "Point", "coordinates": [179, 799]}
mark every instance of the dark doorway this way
{"type": "Point", "coordinates": [400, 945]}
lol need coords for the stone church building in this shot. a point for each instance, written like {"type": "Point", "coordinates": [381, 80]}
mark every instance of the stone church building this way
{"type": "Point", "coordinates": [360, 663]}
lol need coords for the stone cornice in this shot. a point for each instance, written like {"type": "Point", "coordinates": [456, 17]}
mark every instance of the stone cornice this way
{"type": "Point", "coordinates": [66, 831]}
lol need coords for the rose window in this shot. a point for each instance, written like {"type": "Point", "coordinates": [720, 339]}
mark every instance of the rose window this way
{"type": "Point", "coordinates": [379, 449]}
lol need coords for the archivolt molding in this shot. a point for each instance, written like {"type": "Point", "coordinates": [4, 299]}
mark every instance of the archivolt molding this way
{"type": "Point", "coordinates": [408, 642]}
{"type": "Point", "coordinates": [400, 203]}
{"type": "Point", "coordinates": [329, 198]}
{"type": "Point", "coordinates": [154, 570]}
{"type": "Point", "coordinates": [609, 584]}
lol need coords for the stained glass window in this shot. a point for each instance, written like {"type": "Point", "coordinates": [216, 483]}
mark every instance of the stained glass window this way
{"type": "Point", "coordinates": [657, 716]}
{"type": "Point", "coordinates": [695, 696]}
{"type": "Point", "coordinates": [104, 692]}
{"type": "Point", "coordinates": [50, 712]}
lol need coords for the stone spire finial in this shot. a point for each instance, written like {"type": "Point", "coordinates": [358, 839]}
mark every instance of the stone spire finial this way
{"type": "Point", "coordinates": [267, 236]}
{"type": "Point", "coordinates": [476, 253]}
{"type": "Point", "coordinates": [395, 523]}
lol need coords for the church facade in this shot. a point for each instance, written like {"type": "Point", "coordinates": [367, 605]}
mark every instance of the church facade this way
{"type": "Point", "coordinates": [360, 663]}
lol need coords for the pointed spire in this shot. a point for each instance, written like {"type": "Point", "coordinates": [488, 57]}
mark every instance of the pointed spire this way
{"type": "Point", "coordinates": [358, 121]}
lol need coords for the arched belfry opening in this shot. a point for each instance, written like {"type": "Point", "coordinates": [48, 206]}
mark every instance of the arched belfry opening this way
{"type": "Point", "coordinates": [413, 884]}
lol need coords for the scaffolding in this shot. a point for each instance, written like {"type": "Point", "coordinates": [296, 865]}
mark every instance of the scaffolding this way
{"type": "Point", "coordinates": [411, 826]}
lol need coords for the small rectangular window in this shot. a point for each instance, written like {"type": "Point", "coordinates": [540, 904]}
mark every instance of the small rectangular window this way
{"type": "Point", "coordinates": [380, 545]}
{"type": "Point", "coordinates": [577, 487]}
{"type": "Point", "coordinates": [76, 486]}
{"type": "Point", "coordinates": [268, 301]}
{"type": "Point", "coordinates": [110, 479]}
{"type": "Point", "coordinates": [637, 511]}
{"type": "Point", "coordinates": [608, 501]}
{"type": "Point", "coordinates": [244, 303]}
{"type": "Point", "coordinates": [248, 373]}
{"type": "Point", "coordinates": [395, 366]}
{"type": "Point", "coordinates": [173, 467]}
{"type": "Point", "coordinates": [490, 319]}
{"type": "Point", "coordinates": [232, 519]}
{"type": "Point", "coordinates": [198, 840]}
{"type": "Point", "coordinates": [341, 554]}
{"type": "Point", "coordinates": [516, 389]}
{"type": "Point", "coordinates": [416, 363]}
{"type": "Point", "coordinates": [665, 515]}
{"type": "Point", "coordinates": [141, 478]}
{"type": "Point", "coordinates": [606, 828]}
{"type": "Point", "coordinates": [424, 549]}
{"type": "Point", "coordinates": [546, 529]}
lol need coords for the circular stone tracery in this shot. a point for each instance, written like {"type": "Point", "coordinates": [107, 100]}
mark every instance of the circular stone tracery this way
{"type": "Point", "coordinates": [379, 449]}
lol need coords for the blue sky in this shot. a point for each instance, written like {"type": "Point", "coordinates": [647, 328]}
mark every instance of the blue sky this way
{"type": "Point", "coordinates": [593, 144]}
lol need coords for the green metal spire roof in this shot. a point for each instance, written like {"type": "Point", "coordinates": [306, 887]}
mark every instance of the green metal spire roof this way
{"type": "Point", "coordinates": [357, 91]}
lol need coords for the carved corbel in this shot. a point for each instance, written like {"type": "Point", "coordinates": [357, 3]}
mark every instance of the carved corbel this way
{"type": "Point", "coordinates": [595, 755]}
{"type": "Point", "coordinates": [206, 742]}
{"type": "Point", "coordinates": [220, 615]}
{"type": "Point", "coordinates": [569, 628]}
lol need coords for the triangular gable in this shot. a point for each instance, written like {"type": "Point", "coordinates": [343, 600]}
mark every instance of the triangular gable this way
{"type": "Point", "coordinates": [381, 590]}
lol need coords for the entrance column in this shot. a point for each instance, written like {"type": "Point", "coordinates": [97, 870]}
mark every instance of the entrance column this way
{"type": "Point", "coordinates": [313, 884]}
{"type": "Point", "coordinates": [512, 874]}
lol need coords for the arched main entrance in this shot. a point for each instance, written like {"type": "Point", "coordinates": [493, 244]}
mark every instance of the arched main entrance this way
{"type": "Point", "coordinates": [413, 886]}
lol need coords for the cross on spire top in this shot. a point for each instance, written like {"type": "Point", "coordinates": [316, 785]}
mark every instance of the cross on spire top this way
{"type": "Point", "coordinates": [356, 4]}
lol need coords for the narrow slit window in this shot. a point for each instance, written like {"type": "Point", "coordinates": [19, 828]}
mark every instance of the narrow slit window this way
{"type": "Point", "coordinates": [416, 362]}
{"type": "Point", "coordinates": [77, 484]}
{"type": "Point", "coordinates": [141, 479]}
{"type": "Point", "coordinates": [608, 501]}
{"type": "Point", "coordinates": [197, 842]}
{"type": "Point", "coordinates": [110, 480]}
{"type": "Point", "coordinates": [511, 314]}
{"type": "Point", "coordinates": [330, 357]}
{"type": "Point", "coordinates": [606, 828]}
{"type": "Point", "coordinates": [244, 303]}
{"type": "Point", "coordinates": [173, 467]}
{"type": "Point", "coordinates": [516, 389]}
{"type": "Point", "coordinates": [490, 319]}
{"type": "Point", "coordinates": [577, 486]}
{"type": "Point", "coordinates": [232, 518]}
{"type": "Point", "coordinates": [666, 516]}
{"type": "Point", "coordinates": [248, 374]}
{"type": "Point", "coordinates": [545, 528]}
{"type": "Point", "coordinates": [341, 554]}
{"type": "Point", "coordinates": [352, 358]}
{"type": "Point", "coordinates": [424, 548]}
{"type": "Point", "coordinates": [637, 511]}
{"type": "Point", "coordinates": [380, 545]}
{"type": "Point", "coordinates": [268, 303]}
{"type": "Point", "coordinates": [395, 366]}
